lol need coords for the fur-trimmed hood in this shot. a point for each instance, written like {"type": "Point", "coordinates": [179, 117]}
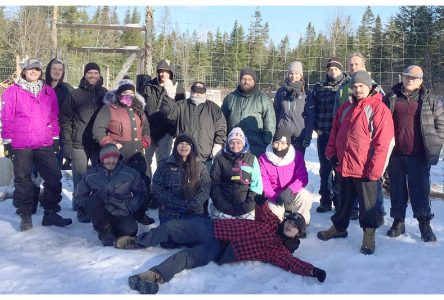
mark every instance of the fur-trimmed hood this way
{"type": "Point", "coordinates": [138, 105]}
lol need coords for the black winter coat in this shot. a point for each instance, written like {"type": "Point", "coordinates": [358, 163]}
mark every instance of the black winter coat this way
{"type": "Point", "coordinates": [122, 190]}
{"type": "Point", "coordinates": [153, 94]}
{"type": "Point", "coordinates": [205, 123]}
{"type": "Point", "coordinates": [431, 119]}
{"type": "Point", "coordinates": [78, 114]}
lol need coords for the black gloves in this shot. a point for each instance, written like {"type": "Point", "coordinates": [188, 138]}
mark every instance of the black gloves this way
{"type": "Point", "coordinates": [67, 152]}
{"type": "Point", "coordinates": [56, 145]}
{"type": "Point", "coordinates": [286, 197]}
{"type": "Point", "coordinates": [306, 142]}
{"type": "Point", "coordinates": [319, 274]}
{"type": "Point", "coordinates": [260, 199]}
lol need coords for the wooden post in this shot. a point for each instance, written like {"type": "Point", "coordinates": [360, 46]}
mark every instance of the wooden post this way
{"type": "Point", "coordinates": [107, 78]}
{"type": "Point", "coordinates": [124, 70]}
{"type": "Point", "coordinates": [55, 17]}
{"type": "Point", "coordinates": [148, 55]}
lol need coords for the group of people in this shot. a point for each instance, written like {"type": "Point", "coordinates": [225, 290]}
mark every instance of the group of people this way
{"type": "Point", "coordinates": [230, 181]}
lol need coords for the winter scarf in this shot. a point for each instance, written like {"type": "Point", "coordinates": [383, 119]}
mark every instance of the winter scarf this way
{"type": "Point", "coordinates": [32, 87]}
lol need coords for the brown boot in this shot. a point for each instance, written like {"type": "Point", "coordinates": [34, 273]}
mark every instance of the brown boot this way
{"type": "Point", "coordinates": [331, 233]}
{"type": "Point", "coordinates": [368, 241]}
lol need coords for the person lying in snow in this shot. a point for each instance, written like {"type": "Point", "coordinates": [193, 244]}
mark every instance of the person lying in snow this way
{"type": "Point", "coordinates": [265, 239]}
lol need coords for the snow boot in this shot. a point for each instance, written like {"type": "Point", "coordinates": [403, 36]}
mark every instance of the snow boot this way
{"type": "Point", "coordinates": [331, 233]}
{"type": "Point", "coordinates": [323, 208]}
{"type": "Point", "coordinates": [426, 231]}
{"type": "Point", "coordinates": [26, 223]}
{"type": "Point", "coordinates": [146, 282]}
{"type": "Point", "coordinates": [319, 274]}
{"type": "Point", "coordinates": [50, 217]}
{"type": "Point", "coordinates": [398, 228]}
{"type": "Point", "coordinates": [106, 235]}
{"type": "Point", "coordinates": [368, 241]}
{"type": "Point", "coordinates": [126, 242]}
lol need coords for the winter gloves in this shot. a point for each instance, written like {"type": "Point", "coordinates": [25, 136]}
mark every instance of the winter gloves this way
{"type": "Point", "coordinates": [260, 199]}
{"type": "Point", "coordinates": [67, 151]}
{"type": "Point", "coordinates": [334, 161]}
{"type": "Point", "coordinates": [306, 142]}
{"type": "Point", "coordinates": [146, 141]}
{"type": "Point", "coordinates": [170, 88]}
{"type": "Point", "coordinates": [286, 197]}
{"type": "Point", "coordinates": [55, 145]}
{"type": "Point", "coordinates": [319, 274]}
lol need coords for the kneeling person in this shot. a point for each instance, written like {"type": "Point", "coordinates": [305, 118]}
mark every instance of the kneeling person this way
{"type": "Point", "coordinates": [113, 196]}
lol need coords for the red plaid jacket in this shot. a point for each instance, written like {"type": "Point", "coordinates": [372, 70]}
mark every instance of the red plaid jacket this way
{"type": "Point", "coordinates": [259, 240]}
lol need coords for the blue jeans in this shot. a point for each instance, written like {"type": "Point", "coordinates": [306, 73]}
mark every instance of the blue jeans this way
{"type": "Point", "coordinates": [409, 175]}
{"type": "Point", "coordinates": [379, 199]}
{"type": "Point", "coordinates": [196, 233]}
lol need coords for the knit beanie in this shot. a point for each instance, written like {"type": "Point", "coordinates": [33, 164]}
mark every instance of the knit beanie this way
{"type": "Point", "coordinates": [299, 221]}
{"type": "Point", "coordinates": [282, 135]}
{"type": "Point", "coordinates": [362, 77]}
{"type": "Point", "coordinates": [187, 139]}
{"type": "Point", "coordinates": [295, 66]}
{"type": "Point", "coordinates": [109, 150]}
{"type": "Point", "coordinates": [125, 84]}
{"type": "Point", "coordinates": [248, 71]}
{"type": "Point", "coordinates": [236, 134]}
{"type": "Point", "coordinates": [335, 62]}
{"type": "Point", "coordinates": [91, 66]}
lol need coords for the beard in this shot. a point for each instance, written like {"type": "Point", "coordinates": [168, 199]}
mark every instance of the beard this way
{"type": "Point", "coordinates": [245, 87]}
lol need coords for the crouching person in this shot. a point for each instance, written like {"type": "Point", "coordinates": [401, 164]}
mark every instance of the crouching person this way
{"type": "Point", "coordinates": [284, 175]}
{"type": "Point", "coordinates": [113, 195]}
{"type": "Point", "coordinates": [265, 239]}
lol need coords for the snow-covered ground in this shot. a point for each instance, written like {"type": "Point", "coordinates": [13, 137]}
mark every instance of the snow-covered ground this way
{"type": "Point", "coordinates": [71, 260]}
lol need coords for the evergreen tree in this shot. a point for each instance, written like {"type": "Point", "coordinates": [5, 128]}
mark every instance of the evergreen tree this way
{"type": "Point", "coordinates": [364, 34]}
{"type": "Point", "coordinates": [237, 53]}
{"type": "Point", "coordinates": [377, 63]}
{"type": "Point", "coordinates": [257, 38]}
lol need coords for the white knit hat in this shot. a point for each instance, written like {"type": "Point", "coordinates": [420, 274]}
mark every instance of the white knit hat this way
{"type": "Point", "coordinates": [236, 134]}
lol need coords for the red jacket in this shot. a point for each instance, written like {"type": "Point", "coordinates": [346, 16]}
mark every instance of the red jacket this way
{"type": "Point", "coordinates": [362, 138]}
{"type": "Point", "coordinates": [258, 240]}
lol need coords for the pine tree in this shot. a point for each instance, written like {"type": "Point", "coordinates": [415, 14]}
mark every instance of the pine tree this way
{"type": "Point", "coordinates": [364, 34]}
{"type": "Point", "coordinates": [377, 63]}
{"type": "Point", "coordinates": [237, 53]}
{"type": "Point", "coordinates": [257, 38]}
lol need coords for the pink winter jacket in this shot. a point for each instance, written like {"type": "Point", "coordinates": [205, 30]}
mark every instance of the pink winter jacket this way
{"type": "Point", "coordinates": [279, 174]}
{"type": "Point", "coordinates": [30, 122]}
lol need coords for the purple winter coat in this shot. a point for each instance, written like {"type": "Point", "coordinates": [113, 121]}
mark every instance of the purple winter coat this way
{"type": "Point", "coordinates": [279, 174]}
{"type": "Point", "coordinates": [29, 121]}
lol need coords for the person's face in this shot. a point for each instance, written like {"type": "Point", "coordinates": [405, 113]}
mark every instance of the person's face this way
{"type": "Point", "coordinates": [56, 71]}
{"type": "Point", "coordinates": [411, 83]}
{"type": "Point", "coordinates": [236, 145]}
{"type": "Point", "coordinates": [184, 149]}
{"type": "Point", "coordinates": [164, 75]}
{"type": "Point", "coordinates": [334, 72]}
{"type": "Point", "coordinates": [290, 229]}
{"type": "Point", "coordinates": [360, 91]}
{"type": "Point", "coordinates": [356, 64]}
{"type": "Point", "coordinates": [127, 93]}
{"type": "Point", "coordinates": [199, 95]}
{"type": "Point", "coordinates": [32, 75]}
{"type": "Point", "coordinates": [110, 162]}
{"type": "Point", "coordinates": [247, 83]}
{"type": "Point", "coordinates": [294, 76]}
{"type": "Point", "coordinates": [92, 76]}
{"type": "Point", "coordinates": [280, 145]}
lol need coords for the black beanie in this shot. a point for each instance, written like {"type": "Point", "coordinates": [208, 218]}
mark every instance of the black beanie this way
{"type": "Point", "coordinates": [91, 66]}
{"type": "Point", "coordinates": [185, 138]}
{"type": "Point", "coordinates": [125, 84]}
{"type": "Point", "coordinates": [248, 71]}
{"type": "Point", "coordinates": [362, 77]}
{"type": "Point", "coordinates": [335, 62]}
{"type": "Point", "coordinates": [282, 135]}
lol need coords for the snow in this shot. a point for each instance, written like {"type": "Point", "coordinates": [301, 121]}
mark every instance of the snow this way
{"type": "Point", "coordinates": [71, 260]}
